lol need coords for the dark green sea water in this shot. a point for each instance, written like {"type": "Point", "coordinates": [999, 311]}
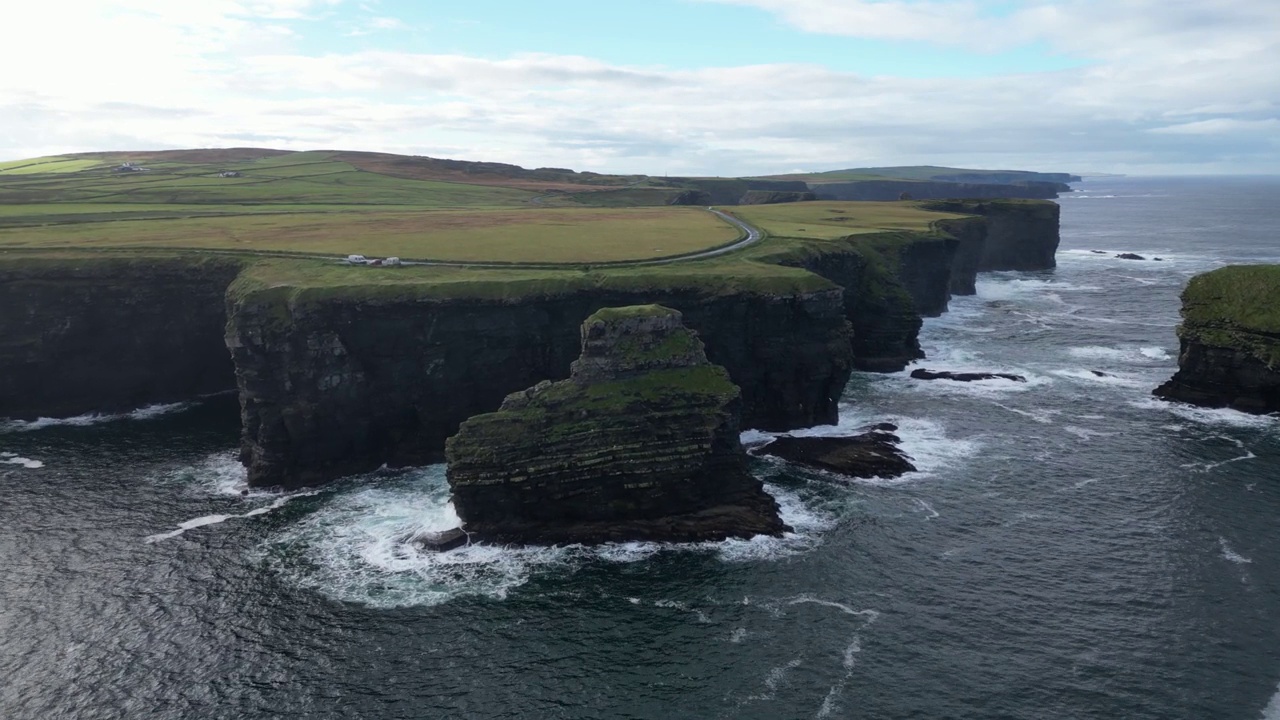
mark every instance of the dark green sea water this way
{"type": "Point", "coordinates": [1070, 547]}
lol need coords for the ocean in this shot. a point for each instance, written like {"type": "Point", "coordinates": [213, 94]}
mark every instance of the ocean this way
{"type": "Point", "coordinates": [1070, 547]}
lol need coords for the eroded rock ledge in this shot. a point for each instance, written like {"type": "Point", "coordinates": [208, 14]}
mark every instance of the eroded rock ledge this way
{"type": "Point", "coordinates": [640, 443]}
{"type": "Point", "coordinates": [1230, 338]}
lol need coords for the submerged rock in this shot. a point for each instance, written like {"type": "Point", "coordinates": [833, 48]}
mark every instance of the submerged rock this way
{"type": "Point", "coordinates": [923, 374]}
{"type": "Point", "coordinates": [1130, 256]}
{"type": "Point", "coordinates": [641, 443]}
{"type": "Point", "coordinates": [870, 454]}
{"type": "Point", "coordinates": [441, 541]}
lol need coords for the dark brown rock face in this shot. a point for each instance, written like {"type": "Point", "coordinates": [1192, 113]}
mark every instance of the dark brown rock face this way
{"type": "Point", "coordinates": [1230, 338]}
{"type": "Point", "coordinates": [641, 443]}
{"type": "Point", "coordinates": [344, 385]}
{"type": "Point", "coordinates": [926, 374]}
{"type": "Point", "coordinates": [873, 454]}
{"type": "Point", "coordinates": [111, 334]}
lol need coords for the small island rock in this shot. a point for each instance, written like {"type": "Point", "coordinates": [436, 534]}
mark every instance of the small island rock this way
{"type": "Point", "coordinates": [924, 374]}
{"type": "Point", "coordinates": [1230, 337]}
{"type": "Point", "coordinates": [639, 444]}
{"type": "Point", "coordinates": [871, 454]}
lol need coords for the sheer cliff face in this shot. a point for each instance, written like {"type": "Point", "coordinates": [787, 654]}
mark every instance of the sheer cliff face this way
{"type": "Point", "coordinates": [1230, 339]}
{"type": "Point", "coordinates": [640, 444]}
{"type": "Point", "coordinates": [101, 335]}
{"type": "Point", "coordinates": [929, 189]}
{"type": "Point", "coordinates": [1018, 236]}
{"type": "Point", "coordinates": [345, 385]}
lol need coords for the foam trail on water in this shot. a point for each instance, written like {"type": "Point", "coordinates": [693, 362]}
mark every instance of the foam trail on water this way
{"type": "Point", "coordinates": [149, 412]}
{"type": "Point", "coordinates": [1231, 555]}
{"type": "Point", "coordinates": [1208, 416]}
{"type": "Point", "coordinates": [217, 519]}
{"type": "Point", "coordinates": [12, 459]}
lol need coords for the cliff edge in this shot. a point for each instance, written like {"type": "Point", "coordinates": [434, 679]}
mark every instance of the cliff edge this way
{"type": "Point", "coordinates": [639, 444]}
{"type": "Point", "coordinates": [1230, 337]}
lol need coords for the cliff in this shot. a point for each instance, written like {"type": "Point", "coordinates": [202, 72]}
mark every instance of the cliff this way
{"type": "Point", "coordinates": [340, 371]}
{"type": "Point", "coordinates": [1018, 235]}
{"type": "Point", "coordinates": [1230, 341]}
{"type": "Point", "coordinates": [730, 191]}
{"type": "Point", "coordinates": [771, 197]}
{"type": "Point", "coordinates": [933, 189]}
{"type": "Point", "coordinates": [83, 334]}
{"type": "Point", "coordinates": [343, 379]}
{"type": "Point", "coordinates": [639, 444]}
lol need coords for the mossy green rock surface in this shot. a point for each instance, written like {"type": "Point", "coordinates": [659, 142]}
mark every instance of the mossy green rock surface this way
{"type": "Point", "coordinates": [1230, 338]}
{"type": "Point", "coordinates": [641, 443]}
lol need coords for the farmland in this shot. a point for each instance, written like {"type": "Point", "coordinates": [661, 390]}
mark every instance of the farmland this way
{"type": "Point", "coordinates": [330, 203]}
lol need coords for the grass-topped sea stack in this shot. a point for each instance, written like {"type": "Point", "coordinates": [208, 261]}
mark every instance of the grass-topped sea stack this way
{"type": "Point", "coordinates": [1230, 340]}
{"type": "Point", "coordinates": [641, 443]}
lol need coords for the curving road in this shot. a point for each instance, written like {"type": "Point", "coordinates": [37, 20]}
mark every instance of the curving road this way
{"type": "Point", "coordinates": [752, 235]}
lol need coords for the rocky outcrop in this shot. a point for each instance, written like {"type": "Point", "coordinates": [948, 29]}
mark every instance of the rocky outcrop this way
{"type": "Point", "coordinates": [773, 197]}
{"type": "Point", "coordinates": [871, 454]}
{"type": "Point", "coordinates": [344, 382]}
{"type": "Point", "coordinates": [926, 374]}
{"type": "Point", "coordinates": [880, 310]}
{"type": "Point", "coordinates": [884, 190]}
{"type": "Point", "coordinates": [1230, 341]}
{"type": "Point", "coordinates": [730, 191]}
{"type": "Point", "coordinates": [1007, 235]}
{"type": "Point", "coordinates": [639, 444]}
{"type": "Point", "coordinates": [101, 334]}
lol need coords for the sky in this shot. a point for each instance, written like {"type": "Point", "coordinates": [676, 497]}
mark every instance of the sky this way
{"type": "Point", "coordinates": [662, 87]}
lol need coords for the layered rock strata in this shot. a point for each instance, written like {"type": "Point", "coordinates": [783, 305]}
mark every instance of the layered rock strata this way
{"type": "Point", "coordinates": [346, 383]}
{"type": "Point", "coordinates": [1230, 341]}
{"type": "Point", "coordinates": [640, 443]}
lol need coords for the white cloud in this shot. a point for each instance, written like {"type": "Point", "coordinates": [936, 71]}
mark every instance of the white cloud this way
{"type": "Point", "coordinates": [1178, 89]}
{"type": "Point", "coordinates": [1221, 126]}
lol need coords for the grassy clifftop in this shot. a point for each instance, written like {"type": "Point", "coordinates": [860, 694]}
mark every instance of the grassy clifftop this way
{"type": "Point", "coordinates": [1235, 307]}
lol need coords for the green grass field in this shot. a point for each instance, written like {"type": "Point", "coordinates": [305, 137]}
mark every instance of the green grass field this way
{"type": "Point", "coordinates": [335, 204]}
{"type": "Point", "coordinates": [829, 220]}
{"type": "Point", "coordinates": [532, 235]}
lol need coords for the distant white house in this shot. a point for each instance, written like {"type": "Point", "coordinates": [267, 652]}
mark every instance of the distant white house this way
{"type": "Point", "coordinates": [129, 167]}
{"type": "Point", "coordinates": [229, 174]}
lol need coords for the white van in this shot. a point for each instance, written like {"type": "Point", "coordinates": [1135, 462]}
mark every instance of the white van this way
{"type": "Point", "coordinates": [356, 260]}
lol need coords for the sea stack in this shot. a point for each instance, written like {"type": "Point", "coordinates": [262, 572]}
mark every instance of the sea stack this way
{"type": "Point", "coordinates": [1230, 336]}
{"type": "Point", "coordinates": [640, 443]}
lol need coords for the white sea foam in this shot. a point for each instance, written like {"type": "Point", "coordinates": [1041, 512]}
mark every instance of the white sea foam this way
{"type": "Point", "coordinates": [358, 547]}
{"type": "Point", "coordinates": [1272, 710]}
{"type": "Point", "coordinates": [1143, 355]}
{"type": "Point", "coordinates": [220, 474]}
{"type": "Point", "coordinates": [1089, 376]}
{"type": "Point", "coordinates": [1085, 433]}
{"type": "Point", "coordinates": [1232, 555]}
{"type": "Point", "coordinates": [924, 441]}
{"type": "Point", "coordinates": [1007, 286]}
{"type": "Point", "coordinates": [1208, 416]}
{"type": "Point", "coordinates": [147, 413]}
{"type": "Point", "coordinates": [738, 635]}
{"type": "Point", "coordinates": [12, 459]}
{"type": "Point", "coordinates": [218, 519]}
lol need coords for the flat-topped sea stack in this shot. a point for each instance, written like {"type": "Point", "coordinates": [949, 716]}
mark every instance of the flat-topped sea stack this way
{"type": "Point", "coordinates": [1230, 338]}
{"type": "Point", "coordinates": [640, 443]}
